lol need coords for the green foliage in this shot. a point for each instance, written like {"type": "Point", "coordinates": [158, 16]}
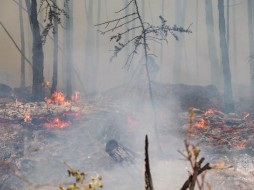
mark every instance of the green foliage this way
{"type": "Point", "coordinates": [80, 183]}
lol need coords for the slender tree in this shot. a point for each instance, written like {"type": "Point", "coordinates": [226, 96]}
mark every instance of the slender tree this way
{"type": "Point", "coordinates": [147, 33]}
{"type": "Point", "coordinates": [90, 63]}
{"type": "Point", "coordinates": [228, 94]}
{"type": "Point", "coordinates": [228, 22]}
{"type": "Point", "coordinates": [68, 55]}
{"type": "Point", "coordinates": [38, 56]}
{"type": "Point", "coordinates": [196, 45]}
{"type": "Point", "coordinates": [22, 42]}
{"type": "Point", "coordinates": [55, 58]}
{"type": "Point", "coordinates": [234, 46]}
{"type": "Point", "coordinates": [180, 10]}
{"type": "Point", "coordinates": [162, 47]}
{"type": "Point", "coordinates": [251, 45]}
{"type": "Point", "coordinates": [214, 65]}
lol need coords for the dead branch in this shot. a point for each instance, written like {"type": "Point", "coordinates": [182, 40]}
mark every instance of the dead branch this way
{"type": "Point", "coordinates": [148, 176]}
{"type": "Point", "coordinates": [16, 45]}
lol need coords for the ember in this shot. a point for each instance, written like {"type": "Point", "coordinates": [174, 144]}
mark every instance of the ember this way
{"type": "Point", "coordinates": [56, 122]}
{"type": "Point", "coordinates": [201, 124]}
{"type": "Point", "coordinates": [27, 118]}
{"type": "Point", "coordinates": [57, 98]}
{"type": "Point", "coordinates": [232, 131]}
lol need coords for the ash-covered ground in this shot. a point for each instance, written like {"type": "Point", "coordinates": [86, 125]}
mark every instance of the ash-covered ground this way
{"type": "Point", "coordinates": [36, 157]}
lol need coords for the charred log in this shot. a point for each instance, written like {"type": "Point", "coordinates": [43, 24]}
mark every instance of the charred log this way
{"type": "Point", "coordinates": [119, 153]}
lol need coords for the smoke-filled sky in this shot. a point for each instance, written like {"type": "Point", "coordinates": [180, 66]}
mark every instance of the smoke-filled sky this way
{"type": "Point", "coordinates": [110, 75]}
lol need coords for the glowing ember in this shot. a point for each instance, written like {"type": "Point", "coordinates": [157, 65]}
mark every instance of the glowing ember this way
{"type": "Point", "coordinates": [201, 124]}
{"type": "Point", "coordinates": [209, 112]}
{"type": "Point", "coordinates": [56, 123]}
{"type": "Point", "coordinates": [57, 98]}
{"type": "Point", "coordinates": [27, 118]}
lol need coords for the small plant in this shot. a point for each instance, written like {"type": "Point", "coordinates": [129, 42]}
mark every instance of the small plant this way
{"type": "Point", "coordinates": [80, 184]}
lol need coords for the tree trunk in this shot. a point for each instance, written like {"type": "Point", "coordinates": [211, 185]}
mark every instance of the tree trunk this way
{"type": "Point", "coordinates": [251, 46]}
{"type": "Point", "coordinates": [228, 22]}
{"type": "Point", "coordinates": [214, 66]}
{"type": "Point", "coordinates": [38, 56]}
{"type": "Point", "coordinates": [234, 47]}
{"type": "Point", "coordinates": [55, 58]}
{"type": "Point", "coordinates": [22, 42]}
{"type": "Point", "coordinates": [161, 46]}
{"type": "Point", "coordinates": [69, 48]}
{"type": "Point", "coordinates": [196, 45]}
{"type": "Point", "coordinates": [90, 64]}
{"type": "Point", "coordinates": [180, 11]}
{"type": "Point", "coordinates": [228, 94]}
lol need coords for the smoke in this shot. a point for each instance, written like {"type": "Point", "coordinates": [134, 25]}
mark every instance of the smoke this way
{"type": "Point", "coordinates": [127, 120]}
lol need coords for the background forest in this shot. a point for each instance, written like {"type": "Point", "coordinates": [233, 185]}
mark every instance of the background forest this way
{"type": "Point", "coordinates": [194, 59]}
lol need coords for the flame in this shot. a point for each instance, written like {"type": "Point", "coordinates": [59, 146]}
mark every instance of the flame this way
{"type": "Point", "coordinates": [201, 124]}
{"type": "Point", "coordinates": [57, 98]}
{"type": "Point", "coordinates": [27, 118]}
{"type": "Point", "coordinates": [210, 112]}
{"type": "Point", "coordinates": [56, 122]}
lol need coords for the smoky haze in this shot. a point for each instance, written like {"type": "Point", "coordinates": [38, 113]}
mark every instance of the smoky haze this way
{"type": "Point", "coordinates": [83, 148]}
{"type": "Point", "coordinates": [194, 69]}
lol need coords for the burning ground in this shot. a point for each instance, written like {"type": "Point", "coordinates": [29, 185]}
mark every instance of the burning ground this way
{"type": "Point", "coordinates": [37, 139]}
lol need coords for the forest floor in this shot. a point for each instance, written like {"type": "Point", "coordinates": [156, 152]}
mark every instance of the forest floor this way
{"type": "Point", "coordinates": [34, 149]}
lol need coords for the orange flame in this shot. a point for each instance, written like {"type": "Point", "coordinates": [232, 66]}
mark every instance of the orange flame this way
{"type": "Point", "coordinates": [201, 124]}
{"type": "Point", "coordinates": [57, 98]}
{"type": "Point", "coordinates": [56, 123]}
{"type": "Point", "coordinates": [27, 118]}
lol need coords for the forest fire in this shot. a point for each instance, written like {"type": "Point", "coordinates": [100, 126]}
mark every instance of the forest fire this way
{"type": "Point", "coordinates": [27, 118]}
{"type": "Point", "coordinates": [57, 98]}
{"type": "Point", "coordinates": [56, 122]}
{"type": "Point", "coordinates": [201, 124]}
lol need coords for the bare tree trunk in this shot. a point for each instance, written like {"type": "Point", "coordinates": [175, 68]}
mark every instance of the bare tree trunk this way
{"type": "Point", "coordinates": [161, 47]}
{"type": "Point", "coordinates": [38, 56]}
{"type": "Point", "coordinates": [196, 45]}
{"type": "Point", "coordinates": [69, 48]}
{"type": "Point", "coordinates": [180, 11]}
{"type": "Point", "coordinates": [235, 46]}
{"type": "Point", "coordinates": [228, 22]}
{"type": "Point", "coordinates": [22, 42]}
{"type": "Point", "coordinates": [127, 37]}
{"type": "Point", "coordinates": [90, 64]}
{"type": "Point", "coordinates": [97, 47]}
{"type": "Point", "coordinates": [149, 78]}
{"type": "Point", "coordinates": [251, 46]}
{"type": "Point", "coordinates": [55, 58]}
{"type": "Point", "coordinates": [228, 94]}
{"type": "Point", "coordinates": [215, 71]}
